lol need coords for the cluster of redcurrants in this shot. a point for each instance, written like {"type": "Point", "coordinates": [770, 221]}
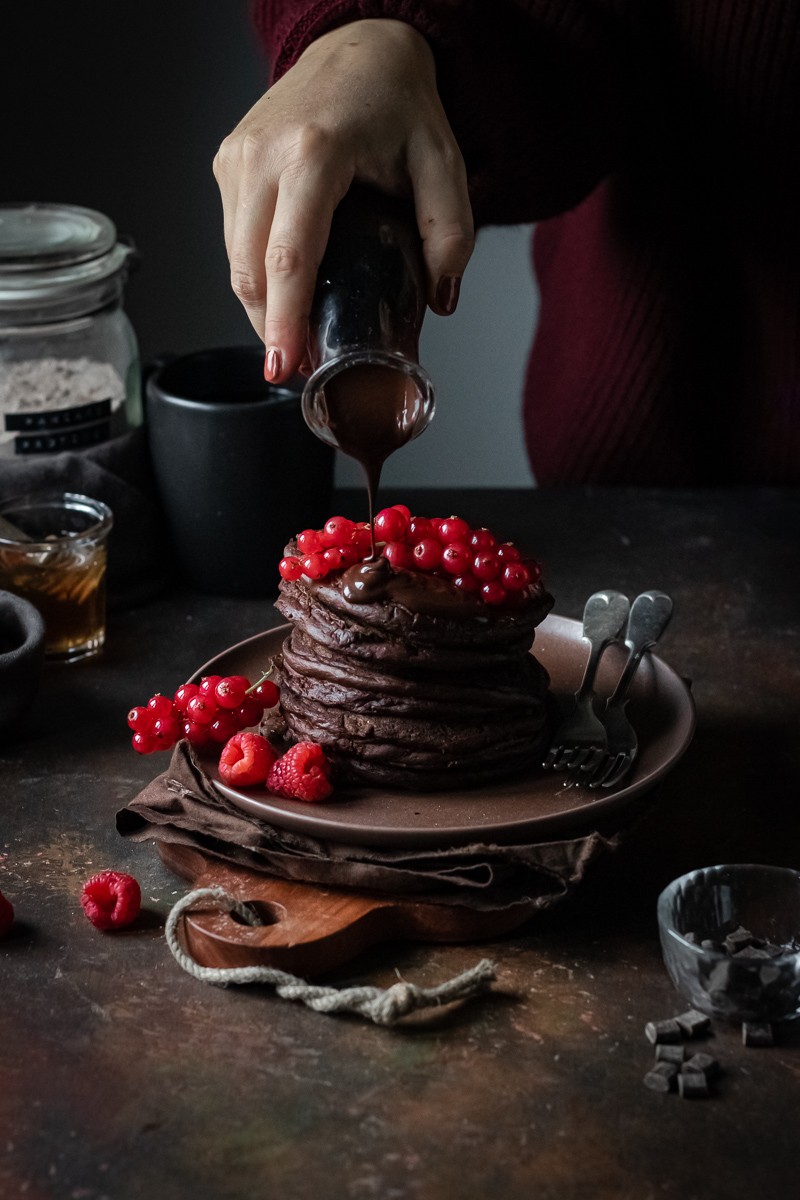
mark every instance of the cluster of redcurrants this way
{"type": "Point", "coordinates": [472, 559]}
{"type": "Point", "coordinates": [212, 710]}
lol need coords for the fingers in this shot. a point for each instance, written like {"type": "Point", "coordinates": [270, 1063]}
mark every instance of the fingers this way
{"type": "Point", "coordinates": [444, 216]}
{"type": "Point", "coordinates": [248, 203]}
{"type": "Point", "coordinates": [297, 239]}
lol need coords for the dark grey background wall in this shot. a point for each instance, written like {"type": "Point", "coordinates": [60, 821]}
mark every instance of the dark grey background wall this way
{"type": "Point", "coordinates": [120, 105]}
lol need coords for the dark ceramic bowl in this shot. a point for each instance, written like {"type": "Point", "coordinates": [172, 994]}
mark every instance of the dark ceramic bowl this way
{"type": "Point", "coordinates": [21, 655]}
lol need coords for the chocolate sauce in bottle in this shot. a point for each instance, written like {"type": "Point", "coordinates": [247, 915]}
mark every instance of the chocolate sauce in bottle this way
{"type": "Point", "coordinates": [367, 394]}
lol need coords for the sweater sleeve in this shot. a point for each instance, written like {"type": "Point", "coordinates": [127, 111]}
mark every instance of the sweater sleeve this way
{"type": "Point", "coordinates": [535, 90]}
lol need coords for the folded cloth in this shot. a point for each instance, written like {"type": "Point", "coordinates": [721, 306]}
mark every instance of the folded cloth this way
{"type": "Point", "coordinates": [119, 473]}
{"type": "Point", "coordinates": [182, 806]}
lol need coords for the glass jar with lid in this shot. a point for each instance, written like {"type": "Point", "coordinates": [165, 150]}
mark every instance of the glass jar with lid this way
{"type": "Point", "coordinates": [69, 361]}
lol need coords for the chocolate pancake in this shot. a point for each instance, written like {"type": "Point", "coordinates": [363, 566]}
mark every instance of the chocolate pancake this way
{"type": "Point", "coordinates": [408, 682]}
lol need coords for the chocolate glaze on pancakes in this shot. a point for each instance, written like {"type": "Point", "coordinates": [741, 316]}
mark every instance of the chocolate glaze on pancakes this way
{"type": "Point", "coordinates": [407, 682]}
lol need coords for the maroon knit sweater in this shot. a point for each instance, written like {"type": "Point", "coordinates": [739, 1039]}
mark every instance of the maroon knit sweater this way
{"type": "Point", "coordinates": [657, 145]}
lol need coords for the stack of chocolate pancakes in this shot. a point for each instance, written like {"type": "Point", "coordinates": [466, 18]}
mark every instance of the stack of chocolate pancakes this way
{"type": "Point", "coordinates": [409, 683]}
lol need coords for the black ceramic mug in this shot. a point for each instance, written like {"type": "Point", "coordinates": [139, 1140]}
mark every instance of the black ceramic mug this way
{"type": "Point", "coordinates": [238, 470]}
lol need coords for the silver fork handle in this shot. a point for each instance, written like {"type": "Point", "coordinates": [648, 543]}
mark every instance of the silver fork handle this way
{"type": "Point", "coordinates": [650, 614]}
{"type": "Point", "coordinates": [604, 616]}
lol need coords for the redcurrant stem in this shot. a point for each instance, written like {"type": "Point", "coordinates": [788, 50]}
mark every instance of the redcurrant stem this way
{"type": "Point", "coordinates": [270, 671]}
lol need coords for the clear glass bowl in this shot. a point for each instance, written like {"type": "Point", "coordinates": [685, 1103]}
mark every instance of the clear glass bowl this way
{"type": "Point", "coordinates": [699, 911]}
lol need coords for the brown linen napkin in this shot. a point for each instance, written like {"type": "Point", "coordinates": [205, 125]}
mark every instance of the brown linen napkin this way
{"type": "Point", "coordinates": [183, 806]}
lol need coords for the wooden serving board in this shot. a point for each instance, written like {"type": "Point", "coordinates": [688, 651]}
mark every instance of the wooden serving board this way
{"type": "Point", "coordinates": [308, 929]}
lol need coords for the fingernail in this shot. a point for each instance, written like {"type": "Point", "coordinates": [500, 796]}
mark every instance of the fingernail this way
{"type": "Point", "coordinates": [272, 364]}
{"type": "Point", "coordinates": [447, 291]}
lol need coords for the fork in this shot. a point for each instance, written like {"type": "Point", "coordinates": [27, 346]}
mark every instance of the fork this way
{"type": "Point", "coordinates": [649, 616]}
{"type": "Point", "coordinates": [580, 740]}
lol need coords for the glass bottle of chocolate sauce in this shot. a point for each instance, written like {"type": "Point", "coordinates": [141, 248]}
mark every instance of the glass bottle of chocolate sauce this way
{"type": "Point", "coordinates": [367, 394]}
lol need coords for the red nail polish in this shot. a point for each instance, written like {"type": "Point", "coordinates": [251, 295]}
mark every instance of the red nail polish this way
{"type": "Point", "coordinates": [272, 364]}
{"type": "Point", "coordinates": [447, 291]}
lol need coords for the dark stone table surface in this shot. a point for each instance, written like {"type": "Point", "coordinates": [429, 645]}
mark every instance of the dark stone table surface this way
{"type": "Point", "coordinates": [123, 1077]}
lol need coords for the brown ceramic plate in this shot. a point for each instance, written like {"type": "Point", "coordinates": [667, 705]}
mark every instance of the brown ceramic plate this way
{"type": "Point", "coordinates": [528, 808]}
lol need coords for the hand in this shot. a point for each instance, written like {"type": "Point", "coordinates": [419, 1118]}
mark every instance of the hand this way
{"type": "Point", "coordinates": [359, 104]}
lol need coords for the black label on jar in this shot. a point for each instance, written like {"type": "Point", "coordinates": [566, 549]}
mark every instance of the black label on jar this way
{"type": "Point", "coordinates": [36, 420]}
{"type": "Point", "coordinates": [67, 439]}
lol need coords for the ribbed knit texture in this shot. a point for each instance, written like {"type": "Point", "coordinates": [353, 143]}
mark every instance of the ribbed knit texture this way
{"type": "Point", "coordinates": [657, 145]}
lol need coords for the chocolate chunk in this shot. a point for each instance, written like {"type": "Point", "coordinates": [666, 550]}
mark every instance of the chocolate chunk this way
{"type": "Point", "coordinates": [692, 1085]}
{"type": "Point", "coordinates": [662, 1077]}
{"type": "Point", "coordinates": [750, 951]}
{"type": "Point", "coordinates": [702, 1064]}
{"type": "Point", "coordinates": [662, 1031]}
{"type": "Point", "coordinates": [757, 1033]}
{"type": "Point", "coordinates": [737, 940]}
{"type": "Point", "coordinates": [670, 1053]}
{"type": "Point", "coordinates": [693, 1022]}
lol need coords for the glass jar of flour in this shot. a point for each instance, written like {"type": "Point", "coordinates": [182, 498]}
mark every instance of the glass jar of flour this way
{"type": "Point", "coordinates": [69, 362]}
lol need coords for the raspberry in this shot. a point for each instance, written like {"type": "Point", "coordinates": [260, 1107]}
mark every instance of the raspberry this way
{"type": "Point", "coordinates": [246, 760]}
{"type": "Point", "coordinates": [6, 914]}
{"type": "Point", "coordinates": [302, 773]}
{"type": "Point", "coordinates": [111, 899]}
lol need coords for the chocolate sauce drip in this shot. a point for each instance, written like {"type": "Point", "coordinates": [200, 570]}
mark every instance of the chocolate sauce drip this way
{"type": "Point", "coordinates": [371, 411]}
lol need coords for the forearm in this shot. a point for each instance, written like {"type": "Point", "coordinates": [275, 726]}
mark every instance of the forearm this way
{"type": "Point", "coordinates": [535, 97]}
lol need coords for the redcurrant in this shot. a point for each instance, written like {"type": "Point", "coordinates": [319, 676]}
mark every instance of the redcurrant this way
{"type": "Point", "coordinates": [231, 690]}
{"type": "Point", "coordinates": [508, 552]}
{"type": "Point", "coordinates": [196, 734]}
{"type": "Point", "coordinates": [141, 719]}
{"type": "Point", "coordinates": [208, 685]}
{"type": "Point", "coordinates": [486, 565]}
{"type": "Point", "coordinates": [493, 592]}
{"type": "Point", "coordinates": [183, 695]}
{"type": "Point", "coordinates": [400, 555]}
{"type": "Point", "coordinates": [314, 566]}
{"type": "Point", "coordinates": [404, 509]}
{"type": "Point", "coordinates": [290, 568]}
{"type": "Point", "coordinates": [453, 529]}
{"type": "Point", "coordinates": [334, 557]}
{"type": "Point", "coordinates": [418, 529]}
{"type": "Point", "coordinates": [201, 709]}
{"type": "Point", "coordinates": [390, 525]}
{"type": "Point", "coordinates": [482, 539]}
{"type": "Point", "coordinates": [516, 576]}
{"type": "Point", "coordinates": [145, 743]}
{"type": "Point", "coordinates": [167, 730]}
{"type": "Point", "coordinates": [266, 693]}
{"type": "Point", "coordinates": [456, 558]}
{"type": "Point", "coordinates": [223, 727]}
{"type": "Point", "coordinates": [308, 541]}
{"type": "Point", "coordinates": [467, 583]}
{"type": "Point", "coordinates": [428, 554]}
{"type": "Point", "coordinates": [248, 713]}
{"type": "Point", "coordinates": [159, 706]}
{"type": "Point", "coordinates": [337, 531]}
